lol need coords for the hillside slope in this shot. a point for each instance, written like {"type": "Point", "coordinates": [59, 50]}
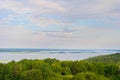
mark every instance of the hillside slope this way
{"type": "Point", "coordinates": [112, 58]}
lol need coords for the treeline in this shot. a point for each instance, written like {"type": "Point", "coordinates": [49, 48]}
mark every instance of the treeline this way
{"type": "Point", "coordinates": [112, 58]}
{"type": "Point", "coordinates": [53, 69]}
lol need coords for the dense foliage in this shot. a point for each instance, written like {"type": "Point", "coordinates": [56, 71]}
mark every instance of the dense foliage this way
{"type": "Point", "coordinates": [52, 69]}
{"type": "Point", "coordinates": [112, 58]}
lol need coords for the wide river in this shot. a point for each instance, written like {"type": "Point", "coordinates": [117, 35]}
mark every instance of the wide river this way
{"type": "Point", "coordinates": [9, 55]}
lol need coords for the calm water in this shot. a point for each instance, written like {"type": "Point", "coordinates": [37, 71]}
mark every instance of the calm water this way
{"type": "Point", "coordinates": [61, 54]}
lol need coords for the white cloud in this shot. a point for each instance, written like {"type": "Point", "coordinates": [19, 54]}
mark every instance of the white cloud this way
{"type": "Point", "coordinates": [19, 37]}
{"type": "Point", "coordinates": [35, 7]}
{"type": "Point", "coordinates": [44, 22]}
{"type": "Point", "coordinates": [33, 11]}
{"type": "Point", "coordinates": [68, 11]}
{"type": "Point", "coordinates": [64, 13]}
{"type": "Point", "coordinates": [91, 9]}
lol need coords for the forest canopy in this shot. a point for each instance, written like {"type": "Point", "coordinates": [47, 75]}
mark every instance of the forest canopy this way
{"type": "Point", "coordinates": [52, 69]}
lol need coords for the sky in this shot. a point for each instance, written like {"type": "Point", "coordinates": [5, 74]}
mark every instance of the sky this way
{"type": "Point", "coordinates": [66, 24]}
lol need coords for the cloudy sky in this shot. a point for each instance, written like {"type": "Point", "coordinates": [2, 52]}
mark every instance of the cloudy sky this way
{"type": "Point", "coordinates": [77, 24]}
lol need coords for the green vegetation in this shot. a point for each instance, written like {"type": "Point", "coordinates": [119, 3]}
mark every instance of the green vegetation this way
{"type": "Point", "coordinates": [112, 58]}
{"type": "Point", "coordinates": [97, 68]}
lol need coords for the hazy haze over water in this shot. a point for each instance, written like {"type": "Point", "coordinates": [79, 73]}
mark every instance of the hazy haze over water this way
{"type": "Point", "coordinates": [61, 54]}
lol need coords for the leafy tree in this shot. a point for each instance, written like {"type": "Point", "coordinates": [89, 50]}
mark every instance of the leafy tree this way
{"type": "Point", "coordinates": [66, 71]}
{"type": "Point", "coordinates": [88, 76]}
{"type": "Point", "coordinates": [110, 70]}
{"type": "Point", "coordinates": [2, 72]}
{"type": "Point", "coordinates": [78, 67]}
{"type": "Point", "coordinates": [46, 71]}
{"type": "Point", "coordinates": [33, 74]}
{"type": "Point", "coordinates": [79, 76]}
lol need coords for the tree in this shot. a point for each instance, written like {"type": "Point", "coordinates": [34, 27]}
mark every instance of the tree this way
{"type": "Point", "coordinates": [79, 76]}
{"type": "Point", "coordinates": [2, 73]}
{"type": "Point", "coordinates": [78, 67]}
{"type": "Point", "coordinates": [88, 76]}
{"type": "Point", "coordinates": [33, 74]}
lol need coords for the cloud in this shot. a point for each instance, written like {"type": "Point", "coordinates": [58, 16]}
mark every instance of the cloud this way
{"type": "Point", "coordinates": [44, 22]}
{"type": "Point", "coordinates": [33, 11]}
{"type": "Point", "coordinates": [39, 10]}
{"type": "Point", "coordinates": [35, 7]}
{"type": "Point", "coordinates": [94, 9]}
{"type": "Point", "coordinates": [60, 23]}
{"type": "Point", "coordinates": [85, 38]}
{"type": "Point", "coordinates": [20, 37]}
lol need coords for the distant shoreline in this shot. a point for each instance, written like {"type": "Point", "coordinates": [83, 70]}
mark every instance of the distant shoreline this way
{"type": "Point", "coordinates": [17, 54]}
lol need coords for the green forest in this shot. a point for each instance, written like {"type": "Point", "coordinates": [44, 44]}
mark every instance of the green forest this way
{"type": "Point", "coordinates": [97, 68]}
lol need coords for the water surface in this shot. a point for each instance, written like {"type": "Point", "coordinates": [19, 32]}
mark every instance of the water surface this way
{"type": "Point", "coordinates": [61, 54]}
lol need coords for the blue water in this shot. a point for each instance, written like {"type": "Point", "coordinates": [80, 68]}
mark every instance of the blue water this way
{"type": "Point", "coordinates": [61, 54]}
{"type": "Point", "coordinates": [59, 50]}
